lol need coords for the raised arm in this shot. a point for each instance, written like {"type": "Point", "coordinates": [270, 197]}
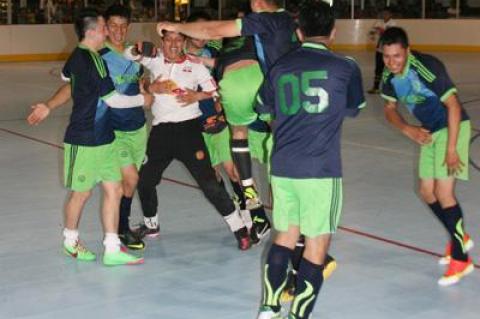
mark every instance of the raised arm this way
{"type": "Point", "coordinates": [205, 30]}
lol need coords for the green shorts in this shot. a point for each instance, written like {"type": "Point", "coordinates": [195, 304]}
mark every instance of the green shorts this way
{"type": "Point", "coordinates": [432, 156]}
{"type": "Point", "coordinates": [131, 146]}
{"type": "Point", "coordinates": [238, 92]}
{"type": "Point", "coordinates": [85, 166]}
{"type": "Point", "coordinates": [260, 145]}
{"type": "Point", "coordinates": [314, 204]}
{"type": "Point", "coordinates": [218, 146]}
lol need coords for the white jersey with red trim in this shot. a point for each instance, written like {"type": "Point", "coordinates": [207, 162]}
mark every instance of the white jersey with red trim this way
{"type": "Point", "coordinates": [186, 74]}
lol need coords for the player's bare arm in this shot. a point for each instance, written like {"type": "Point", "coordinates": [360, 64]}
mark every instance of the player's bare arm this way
{"type": "Point", "coordinates": [415, 133]}
{"type": "Point", "coordinates": [40, 111]}
{"type": "Point", "coordinates": [205, 30]}
{"type": "Point", "coordinates": [452, 159]}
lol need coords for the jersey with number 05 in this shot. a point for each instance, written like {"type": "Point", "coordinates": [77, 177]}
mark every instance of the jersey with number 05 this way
{"type": "Point", "coordinates": [307, 94]}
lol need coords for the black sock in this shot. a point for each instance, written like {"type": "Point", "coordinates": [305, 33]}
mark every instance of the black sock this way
{"type": "Point", "coordinates": [259, 215]}
{"type": "Point", "coordinates": [125, 206]}
{"type": "Point", "coordinates": [438, 211]}
{"type": "Point", "coordinates": [309, 282]}
{"type": "Point", "coordinates": [298, 254]}
{"type": "Point", "coordinates": [237, 189]}
{"type": "Point", "coordinates": [376, 83]}
{"type": "Point", "coordinates": [243, 162]}
{"type": "Point", "coordinates": [275, 276]}
{"type": "Point", "coordinates": [454, 218]}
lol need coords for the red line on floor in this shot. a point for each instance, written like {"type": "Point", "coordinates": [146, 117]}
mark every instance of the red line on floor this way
{"type": "Point", "coordinates": [31, 138]}
{"type": "Point", "coordinates": [343, 228]}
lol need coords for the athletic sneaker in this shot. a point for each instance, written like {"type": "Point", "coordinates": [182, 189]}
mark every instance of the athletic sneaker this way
{"type": "Point", "coordinates": [131, 241]}
{"type": "Point", "coordinates": [289, 291]}
{"type": "Point", "coordinates": [121, 258]}
{"type": "Point", "coordinates": [267, 312]}
{"type": "Point", "coordinates": [457, 269]}
{"type": "Point", "coordinates": [467, 243]}
{"type": "Point", "coordinates": [79, 252]}
{"type": "Point", "coordinates": [243, 238]}
{"type": "Point", "coordinates": [260, 229]}
{"type": "Point", "coordinates": [252, 200]}
{"type": "Point", "coordinates": [330, 266]}
{"type": "Point", "coordinates": [143, 231]}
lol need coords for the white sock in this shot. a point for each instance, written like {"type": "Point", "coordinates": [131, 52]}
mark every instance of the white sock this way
{"type": "Point", "coordinates": [234, 221]}
{"type": "Point", "coordinates": [112, 243]}
{"type": "Point", "coordinates": [247, 218]}
{"type": "Point", "coordinates": [70, 237]}
{"type": "Point", "coordinates": [247, 182]}
{"type": "Point", "coordinates": [151, 222]}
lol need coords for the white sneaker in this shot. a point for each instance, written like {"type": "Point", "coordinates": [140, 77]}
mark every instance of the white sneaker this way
{"type": "Point", "coordinates": [268, 313]}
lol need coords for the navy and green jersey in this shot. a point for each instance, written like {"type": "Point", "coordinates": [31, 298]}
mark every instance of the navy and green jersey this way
{"type": "Point", "coordinates": [274, 35]}
{"type": "Point", "coordinates": [234, 50]}
{"type": "Point", "coordinates": [125, 75]}
{"type": "Point", "coordinates": [259, 126]}
{"type": "Point", "coordinates": [307, 94]}
{"type": "Point", "coordinates": [90, 81]}
{"type": "Point", "coordinates": [422, 87]}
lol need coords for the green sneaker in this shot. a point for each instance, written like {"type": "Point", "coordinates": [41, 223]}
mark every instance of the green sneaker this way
{"type": "Point", "coordinates": [252, 200]}
{"type": "Point", "coordinates": [121, 258]}
{"type": "Point", "coordinates": [79, 252]}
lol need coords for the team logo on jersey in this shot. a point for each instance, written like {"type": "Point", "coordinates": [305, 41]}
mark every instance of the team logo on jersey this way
{"type": "Point", "coordinates": [187, 68]}
{"type": "Point", "coordinates": [81, 178]}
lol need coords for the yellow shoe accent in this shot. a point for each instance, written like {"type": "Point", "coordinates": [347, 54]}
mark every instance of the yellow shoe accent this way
{"type": "Point", "coordinates": [329, 269]}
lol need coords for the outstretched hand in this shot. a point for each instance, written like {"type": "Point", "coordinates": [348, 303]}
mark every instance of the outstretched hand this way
{"type": "Point", "coordinates": [40, 112]}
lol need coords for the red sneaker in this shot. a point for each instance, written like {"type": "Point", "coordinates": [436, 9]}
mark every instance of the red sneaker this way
{"type": "Point", "coordinates": [468, 244]}
{"type": "Point", "coordinates": [457, 269]}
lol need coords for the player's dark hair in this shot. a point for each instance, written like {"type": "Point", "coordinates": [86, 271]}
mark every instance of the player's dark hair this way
{"type": "Point", "coordinates": [395, 35]}
{"type": "Point", "coordinates": [117, 10]}
{"type": "Point", "coordinates": [86, 19]}
{"type": "Point", "coordinates": [277, 3]}
{"type": "Point", "coordinates": [164, 33]}
{"type": "Point", "coordinates": [198, 15]}
{"type": "Point", "coordinates": [316, 18]}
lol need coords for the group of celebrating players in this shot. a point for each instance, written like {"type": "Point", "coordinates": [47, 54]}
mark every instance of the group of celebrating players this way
{"type": "Point", "coordinates": [274, 91]}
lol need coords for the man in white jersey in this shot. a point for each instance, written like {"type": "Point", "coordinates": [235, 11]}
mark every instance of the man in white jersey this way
{"type": "Point", "coordinates": [177, 134]}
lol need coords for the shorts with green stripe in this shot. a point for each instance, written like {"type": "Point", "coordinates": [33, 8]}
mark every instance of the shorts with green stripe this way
{"type": "Point", "coordinates": [314, 204]}
{"type": "Point", "coordinates": [131, 146]}
{"type": "Point", "coordinates": [260, 145]}
{"type": "Point", "coordinates": [432, 156]}
{"type": "Point", "coordinates": [218, 146]}
{"type": "Point", "coordinates": [238, 92]}
{"type": "Point", "coordinates": [85, 166]}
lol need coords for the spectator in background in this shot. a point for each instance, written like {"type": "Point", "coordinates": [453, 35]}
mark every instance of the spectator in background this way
{"type": "Point", "coordinates": [376, 32]}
